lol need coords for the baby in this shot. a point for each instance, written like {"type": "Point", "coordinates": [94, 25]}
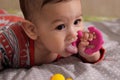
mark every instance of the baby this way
{"type": "Point", "coordinates": [48, 33]}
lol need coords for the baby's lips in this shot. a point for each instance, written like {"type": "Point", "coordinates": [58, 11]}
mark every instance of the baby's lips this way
{"type": "Point", "coordinates": [72, 49]}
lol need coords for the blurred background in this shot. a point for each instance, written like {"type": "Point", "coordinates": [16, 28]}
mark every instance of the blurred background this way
{"type": "Point", "coordinates": [93, 10]}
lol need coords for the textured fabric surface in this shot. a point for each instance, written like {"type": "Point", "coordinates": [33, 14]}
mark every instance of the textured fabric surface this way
{"type": "Point", "coordinates": [108, 69]}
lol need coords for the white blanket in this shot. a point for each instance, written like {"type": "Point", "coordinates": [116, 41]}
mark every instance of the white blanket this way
{"type": "Point", "coordinates": [108, 69]}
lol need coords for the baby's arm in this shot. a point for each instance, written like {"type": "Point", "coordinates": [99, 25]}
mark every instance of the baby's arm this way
{"type": "Point", "coordinates": [90, 45]}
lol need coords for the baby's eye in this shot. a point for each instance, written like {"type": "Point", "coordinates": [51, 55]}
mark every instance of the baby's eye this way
{"type": "Point", "coordinates": [60, 27]}
{"type": "Point", "coordinates": [77, 21]}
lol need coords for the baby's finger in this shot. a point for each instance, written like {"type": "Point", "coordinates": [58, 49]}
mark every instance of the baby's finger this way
{"type": "Point", "coordinates": [85, 36]}
{"type": "Point", "coordinates": [91, 36]}
{"type": "Point", "coordinates": [84, 43]}
{"type": "Point", "coordinates": [90, 46]}
{"type": "Point", "coordinates": [94, 35]}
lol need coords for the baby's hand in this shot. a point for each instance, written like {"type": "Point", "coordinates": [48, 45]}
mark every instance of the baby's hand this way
{"type": "Point", "coordinates": [84, 41]}
{"type": "Point", "coordinates": [93, 38]}
{"type": "Point", "coordinates": [85, 44]}
{"type": "Point", "coordinates": [90, 42]}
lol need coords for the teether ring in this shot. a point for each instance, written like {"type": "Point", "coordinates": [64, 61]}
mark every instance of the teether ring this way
{"type": "Point", "coordinates": [97, 42]}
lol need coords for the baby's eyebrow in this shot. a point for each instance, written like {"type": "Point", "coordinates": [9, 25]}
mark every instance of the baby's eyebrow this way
{"type": "Point", "coordinates": [80, 15]}
{"type": "Point", "coordinates": [57, 20]}
{"type": "Point", "coordinates": [62, 18]}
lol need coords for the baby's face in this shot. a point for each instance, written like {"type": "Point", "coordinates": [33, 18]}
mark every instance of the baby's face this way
{"type": "Point", "coordinates": [58, 25]}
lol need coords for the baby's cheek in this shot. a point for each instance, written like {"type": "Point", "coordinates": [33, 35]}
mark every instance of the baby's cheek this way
{"type": "Point", "coordinates": [56, 47]}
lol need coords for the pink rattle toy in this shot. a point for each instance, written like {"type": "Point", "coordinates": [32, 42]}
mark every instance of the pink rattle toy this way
{"type": "Point", "coordinates": [97, 42]}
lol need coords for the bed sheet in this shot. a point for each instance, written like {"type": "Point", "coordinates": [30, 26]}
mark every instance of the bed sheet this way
{"type": "Point", "coordinates": [108, 69]}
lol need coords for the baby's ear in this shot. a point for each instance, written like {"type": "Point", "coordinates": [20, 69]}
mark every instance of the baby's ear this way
{"type": "Point", "coordinates": [30, 29]}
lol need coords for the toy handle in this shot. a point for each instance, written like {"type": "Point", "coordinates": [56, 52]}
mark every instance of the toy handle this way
{"type": "Point", "coordinates": [97, 42]}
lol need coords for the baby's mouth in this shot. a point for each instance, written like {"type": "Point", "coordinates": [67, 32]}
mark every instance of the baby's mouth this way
{"type": "Point", "coordinates": [72, 49]}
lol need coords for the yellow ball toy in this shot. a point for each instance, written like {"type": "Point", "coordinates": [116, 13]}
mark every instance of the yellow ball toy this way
{"type": "Point", "coordinates": [58, 77]}
{"type": "Point", "coordinates": [69, 79]}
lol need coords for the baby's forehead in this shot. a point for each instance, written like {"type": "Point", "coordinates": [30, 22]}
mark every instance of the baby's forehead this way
{"type": "Point", "coordinates": [33, 7]}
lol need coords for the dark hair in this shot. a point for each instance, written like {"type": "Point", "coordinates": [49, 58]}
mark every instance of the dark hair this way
{"type": "Point", "coordinates": [51, 1]}
{"type": "Point", "coordinates": [29, 7]}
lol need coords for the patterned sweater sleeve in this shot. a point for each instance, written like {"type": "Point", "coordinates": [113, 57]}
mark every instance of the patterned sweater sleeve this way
{"type": "Point", "coordinates": [4, 62]}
